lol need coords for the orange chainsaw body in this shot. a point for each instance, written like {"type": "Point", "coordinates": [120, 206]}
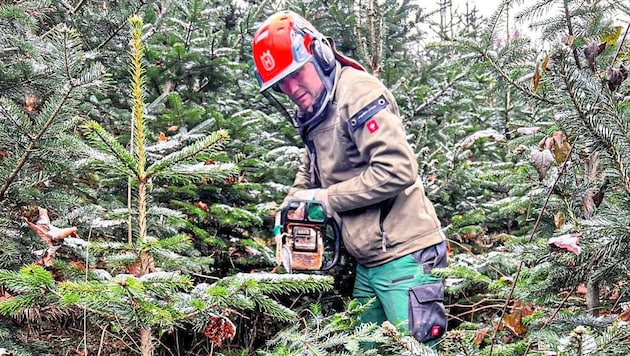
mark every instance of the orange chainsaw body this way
{"type": "Point", "coordinates": [307, 239]}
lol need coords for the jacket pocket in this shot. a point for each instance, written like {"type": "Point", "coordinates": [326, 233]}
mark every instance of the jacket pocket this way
{"type": "Point", "coordinates": [361, 232]}
{"type": "Point", "coordinates": [427, 315]}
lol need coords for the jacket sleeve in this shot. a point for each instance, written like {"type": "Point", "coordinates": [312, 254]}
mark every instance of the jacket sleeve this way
{"type": "Point", "coordinates": [375, 126]}
{"type": "Point", "coordinates": [303, 176]}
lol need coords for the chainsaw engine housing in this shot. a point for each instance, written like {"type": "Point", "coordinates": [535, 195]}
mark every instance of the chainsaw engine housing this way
{"type": "Point", "coordinates": [306, 246]}
{"type": "Point", "coordinates": [307, 240]}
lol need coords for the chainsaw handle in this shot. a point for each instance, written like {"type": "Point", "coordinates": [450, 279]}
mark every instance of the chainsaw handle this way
{"type": "Point", "coordinates": [305, 209]}
{"type": "Point", "coordinates": [337, 234]}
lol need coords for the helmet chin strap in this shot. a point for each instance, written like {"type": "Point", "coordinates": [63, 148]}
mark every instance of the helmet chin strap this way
{"type": "Point", "coordinates": [278, 105]}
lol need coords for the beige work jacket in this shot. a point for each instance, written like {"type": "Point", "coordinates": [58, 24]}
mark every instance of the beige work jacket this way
{"type": "Point", "coordinates": [361, 155]}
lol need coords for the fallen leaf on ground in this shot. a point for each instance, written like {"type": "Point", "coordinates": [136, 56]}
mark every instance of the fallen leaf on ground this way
{"type": "Point", "coordinates": [481, 334]}
{"type": "Point", "coordinates": [514, 323]}
{"type": "Point", "coordinates": [568, 242]}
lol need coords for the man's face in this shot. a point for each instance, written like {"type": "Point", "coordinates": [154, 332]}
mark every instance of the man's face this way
{"type": "Point", "coordinates": [303, 86]}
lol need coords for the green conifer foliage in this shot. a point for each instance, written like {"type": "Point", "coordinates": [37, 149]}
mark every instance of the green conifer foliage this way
{"type": "Point", "coordinates": [43, 85]}
{"type": "Point", "coordinates": [558, 119]}
{"type": "Point", "coordinates": [516, 147]}
{"type": "Point", "coordinates": [198, 74]}
{"type": "Point", "coordinates": [44, 80]}
{"type": "Point", "coordinates": [140, 283]}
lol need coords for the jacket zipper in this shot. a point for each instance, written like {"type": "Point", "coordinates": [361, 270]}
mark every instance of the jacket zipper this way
{"type": "Point", "coordinates": [383, 239]}
{"type": "Point", "coordinates": [385, 208]}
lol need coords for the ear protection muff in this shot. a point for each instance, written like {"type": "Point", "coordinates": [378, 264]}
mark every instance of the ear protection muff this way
{"type": "Point", "coordinates": [320, 48]}
{"type": "Point", "coordinates": [323, 54]}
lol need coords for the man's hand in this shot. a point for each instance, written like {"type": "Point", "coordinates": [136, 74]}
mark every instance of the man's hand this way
{"type": "Point", "coordinates": [312, 194]}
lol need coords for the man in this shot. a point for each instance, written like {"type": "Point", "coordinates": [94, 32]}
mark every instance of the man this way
{"type": "Point", "coordinates": [360, 165]}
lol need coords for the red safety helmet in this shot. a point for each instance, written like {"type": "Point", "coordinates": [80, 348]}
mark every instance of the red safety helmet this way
{"type": "Point", "coordinates": [281, 45]}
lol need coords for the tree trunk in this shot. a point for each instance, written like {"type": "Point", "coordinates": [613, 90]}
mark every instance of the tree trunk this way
{"type": "Point", "coordinates": [592, 297]}
{"type": "Point", "coordinates": [146, 342]}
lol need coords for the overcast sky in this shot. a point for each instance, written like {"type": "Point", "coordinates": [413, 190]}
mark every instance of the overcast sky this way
{"type": "Point", "coordinates": [485, 8]}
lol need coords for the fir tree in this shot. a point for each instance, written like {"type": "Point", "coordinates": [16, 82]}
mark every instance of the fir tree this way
{"type": "Point", "coordinates": [141, 284]}
{"type": "Point", "coordinates": [562, 121]}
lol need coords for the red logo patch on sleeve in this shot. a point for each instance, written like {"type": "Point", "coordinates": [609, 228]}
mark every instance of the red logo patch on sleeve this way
{"type": "Point", "coordinates": [372, 126]}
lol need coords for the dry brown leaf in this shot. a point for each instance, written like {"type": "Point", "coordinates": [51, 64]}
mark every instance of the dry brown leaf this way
{"type": "Point", "coordinates": [588, 202]}
{"type": "Point", "coordinates": [568, 242]}
{"type": "Point", "coordinates": [568, 40]}
{"type": "Point", "coordinates": [48, 259]}
{"type": "Point", "coordinates": [135, 269]}
{"type": "Point", "coordinates": [542, 142]}
{"type": "Point", "coordinates": [542, 161]}
{"type": "Point", "coordinates": [78, 265]}
{"type": "Point", "coordinates": [480, 335]}
{"type": "Point", "coordinates": [31, 103]}
{"type": "Point", "coordinates": [218, 329]}
{"type": "Point", "coordinates": [230, 180]}
{"type": "Point", "coordinates": [6, 295]}
{"type": "Point", "coordinates": [581, 289]}
{"type": "Point", "coordinates": [536, 78]}
{"type": "Point", "coordinates": [201, 205]}
{"type": "Point", "coordinates": [514, 323]}
{"type": "Point", "coordinates": [614, 295]}
{"type": "Point", "coordinates": [562, 152]}
{"type": "Point", "coordinates": [558, 137]}
{"type": "Point", "coordinates": [527, 310]}
{"type": "Point", "coordinates": [545, 62]}
{"type": "Point", "coordinates": [561, 147]}
{"type": "Point", "coordinates": [162, 137]}
{"type": "Point", "coordinates": [58, 234]}
{"type": "Point", "coordinates": [559, 219]}
{"type": "Point", "coordinates": [624, 316]}
{"type": "Point", "coordinates": [43, 218]}
{"type": "Point", "coordinates": [41, 231]}
{"type": "Point", "coordinates": [549, 143]}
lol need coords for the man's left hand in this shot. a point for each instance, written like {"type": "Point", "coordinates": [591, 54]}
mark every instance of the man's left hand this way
{"type": "Point", "coordinates": [314, 194]}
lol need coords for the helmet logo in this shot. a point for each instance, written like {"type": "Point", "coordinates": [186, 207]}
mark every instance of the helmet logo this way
{"type": "Point", "coordinates": [267, 61]}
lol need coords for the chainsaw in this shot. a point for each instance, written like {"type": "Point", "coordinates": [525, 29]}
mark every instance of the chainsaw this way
{"type": "Point", "coordinates": [306, 239]}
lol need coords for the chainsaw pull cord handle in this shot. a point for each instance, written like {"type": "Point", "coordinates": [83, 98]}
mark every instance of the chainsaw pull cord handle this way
{"type": "Point", "coordinates": [283, 254]}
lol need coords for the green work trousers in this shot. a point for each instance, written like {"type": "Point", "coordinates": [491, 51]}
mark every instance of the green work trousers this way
{"type": "Point", "coordinates": [407, 294]}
